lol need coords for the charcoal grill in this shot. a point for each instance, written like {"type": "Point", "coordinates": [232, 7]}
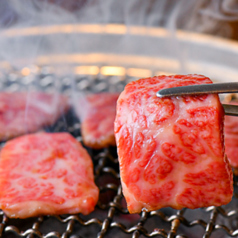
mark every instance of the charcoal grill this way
{"type": "Point", "coordinates": [110, 69]}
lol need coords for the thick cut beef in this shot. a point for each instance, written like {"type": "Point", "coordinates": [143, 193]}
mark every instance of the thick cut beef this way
{"type": "Point", "coordinates": [46, 173]}
{"type": "Point", "coordinates": [97, 113]}
{"type": "Point", "coordinates": [171, 150]}
{"type": "Point", "coordinates": [26, 112]}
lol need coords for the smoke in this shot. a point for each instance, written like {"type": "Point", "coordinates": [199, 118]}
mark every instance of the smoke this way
{"type": "Point", "coordinates": [214, 17]}
{"type": "Point", "coordinates": [21, 48]}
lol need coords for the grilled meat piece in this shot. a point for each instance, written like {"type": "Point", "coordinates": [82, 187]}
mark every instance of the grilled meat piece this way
{"type": "Point", "coordinates": [27, 112]}
{"type": "Point", "coordinates": [171, 150]}
{"type": "Point", "coordinates": [231, 138]}
{"type": "Point", "coordinates": [97, 113]}
{"type": "Point", "coordinates": [46, 174]}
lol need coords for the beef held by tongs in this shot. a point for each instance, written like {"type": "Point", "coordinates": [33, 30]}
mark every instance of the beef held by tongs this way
{"type": "Point", "coordinates": [231, 87]}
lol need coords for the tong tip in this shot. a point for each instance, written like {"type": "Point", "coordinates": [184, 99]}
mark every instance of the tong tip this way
{"type": "Point", "coordinates": [159, 94]}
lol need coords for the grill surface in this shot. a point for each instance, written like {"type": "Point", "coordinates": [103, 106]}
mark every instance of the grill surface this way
{"type": "Point", "coordinates": [110, 218]}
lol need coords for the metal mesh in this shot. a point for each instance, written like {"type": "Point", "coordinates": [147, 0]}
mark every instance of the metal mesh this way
{"type": "Point", "coordinates": [110, 218]}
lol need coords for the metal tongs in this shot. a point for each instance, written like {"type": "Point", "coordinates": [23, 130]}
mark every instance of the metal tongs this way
{"type": "Point", "coordinates": [231, 110]}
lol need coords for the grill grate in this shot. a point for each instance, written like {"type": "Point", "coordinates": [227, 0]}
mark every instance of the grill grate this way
{"type": "Point", "coordinates": [110, 218]}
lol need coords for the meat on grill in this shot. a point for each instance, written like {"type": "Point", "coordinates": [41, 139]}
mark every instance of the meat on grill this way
{"type": "Point", "coordinates": [97, 114]}
{"type": "Point", "coordinates": [231, 138]}
{"type": "Point", "coordinates": [46, 173]}
{"type": "Point", "coordinates": [171, 150]}
{"type": "Point", "coordinates": [26, 112]}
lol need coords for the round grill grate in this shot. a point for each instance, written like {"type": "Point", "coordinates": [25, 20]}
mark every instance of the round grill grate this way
{"type": "Point", "coordinates": [110, 218]}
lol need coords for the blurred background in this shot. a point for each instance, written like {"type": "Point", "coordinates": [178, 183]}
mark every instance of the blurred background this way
{"type": "Point", "coordinates": [216, 17]}
{"type": "Point", "coordinates": [175, 36]}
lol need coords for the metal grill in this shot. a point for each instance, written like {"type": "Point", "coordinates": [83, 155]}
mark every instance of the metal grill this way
{"type": "Point", "coordinates": [110, 218]}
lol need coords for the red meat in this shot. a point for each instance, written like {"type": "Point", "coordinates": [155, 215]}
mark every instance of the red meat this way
{"type": "Point", "coordinates": [171, 149]}
{"type": "Point", "coordinates": [26, 112]}
{"type": "Point", "coordinates": [231, 138]}
{"type": "Point", "coordinates": [97, 113]}
{"type": "Point", "coordinates": [46, 174]}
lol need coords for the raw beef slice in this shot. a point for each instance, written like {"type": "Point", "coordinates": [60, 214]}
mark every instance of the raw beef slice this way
{"type": "Point", "coordinates": [26, 112]}
{"type": "Point", "coordinates": [171, 150]}
{"type": "Point", "coordinates": [97, 113]}
{"type": "Point", "coordinates": [231, 138]}
{"type": "Point", "coordinates": [46, 174]}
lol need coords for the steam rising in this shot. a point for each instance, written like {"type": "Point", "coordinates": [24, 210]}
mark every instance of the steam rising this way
{"type": "Point", "coordinates": [201, 16]}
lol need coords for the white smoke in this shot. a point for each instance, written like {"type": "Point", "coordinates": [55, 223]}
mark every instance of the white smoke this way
{"type": "Point", "coordinates": [20, 50]}
{"type": "Point", "coordinates": [211, 16]}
